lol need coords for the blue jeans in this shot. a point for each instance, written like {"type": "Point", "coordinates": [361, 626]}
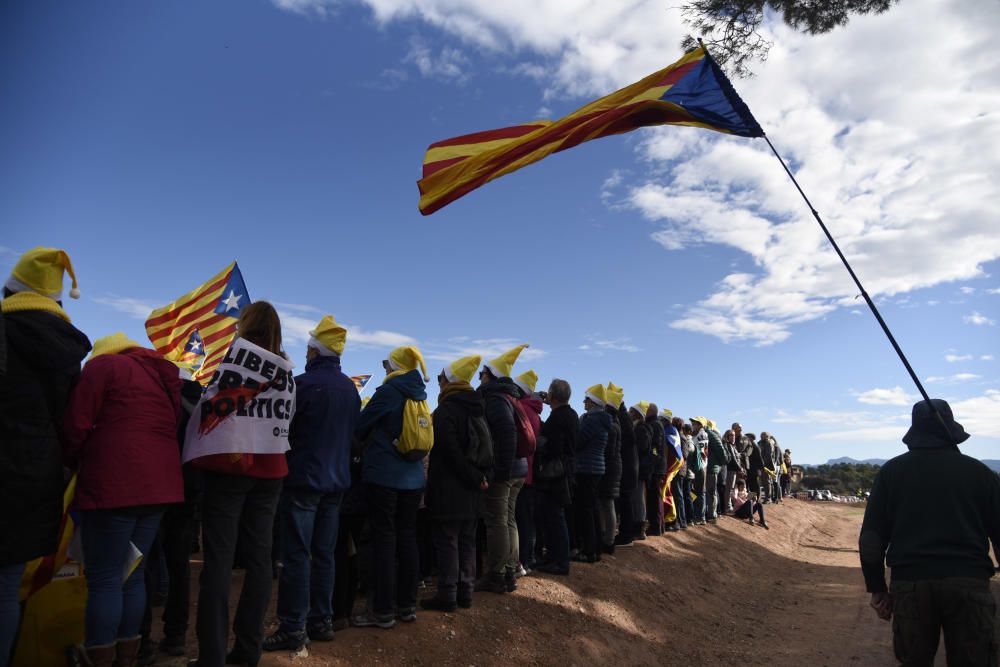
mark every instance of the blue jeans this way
{"type": "Point", "coordinates": [114, 608]}
{"type": "Point", "coordinates": [311, 521]}
{"type": "Point", "coordinates": [10, 608]}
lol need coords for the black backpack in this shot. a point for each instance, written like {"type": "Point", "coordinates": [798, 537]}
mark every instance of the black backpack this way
{"type": "Point", "coordinates": [479, 451]}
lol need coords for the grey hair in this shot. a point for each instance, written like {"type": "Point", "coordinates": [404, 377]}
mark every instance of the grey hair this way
{"type": "Point", "coordinates": [560, 391]}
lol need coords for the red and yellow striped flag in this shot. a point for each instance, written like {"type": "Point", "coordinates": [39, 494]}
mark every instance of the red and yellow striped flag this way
{"type": "Point", "coordinates": [196, 330]}
{"type": "Point", "coordinates": [693, 91]}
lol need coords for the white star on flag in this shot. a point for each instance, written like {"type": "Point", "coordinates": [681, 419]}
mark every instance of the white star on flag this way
{"type": "Point", "coordinates": [233, 300]}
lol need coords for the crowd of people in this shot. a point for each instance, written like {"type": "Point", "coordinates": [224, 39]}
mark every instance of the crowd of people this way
{"type": "Point", "coordinates": [368, 504]}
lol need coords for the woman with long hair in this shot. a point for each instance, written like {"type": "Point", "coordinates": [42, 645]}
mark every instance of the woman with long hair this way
{"type": "Point", "coordinates": [238, 437]}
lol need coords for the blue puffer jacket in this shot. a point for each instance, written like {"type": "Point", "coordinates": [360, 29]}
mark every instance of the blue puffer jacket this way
{"type": "Point", "coordinates": [326, 409]}
{"type": "Point", "coordinates": [380, 423]}
{"type": "Point", "coordinates": [595, 427]}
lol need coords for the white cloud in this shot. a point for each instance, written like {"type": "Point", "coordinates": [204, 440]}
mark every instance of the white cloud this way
{"type": "Point", "coordinates": [995, 290]}
{"type": "Point", "coordinates": [952, 358]}
{"type": "Point", "coordinates": [867, 434]}
{"type": "Point", "coordinates": [986, 357]}
{"type": "Point", "coordinates": [979, 415]}
{"type": "Point", "coordinates": [978, 319]}
{"type": "Point", "coordinates": [447, 64]}
{"type": "Point", "coordinates": [824, 417]}
{"type": "Point", "coordinates": [321, 8]}
{"type": "Point", "coordinates": [136, 308]}
{"type": "Point", "coordinates": [598, 345]}
{"type": "Point", "coordinates": [967, 290]}
{"type": "Point", "coordinates": [952, 379]}
{"type": "Point", "coordinates": [487, 348]}
{"type": "Point", "coordinates": [295, 328]}
{"type": "Point", "coordinates": [894, 396]}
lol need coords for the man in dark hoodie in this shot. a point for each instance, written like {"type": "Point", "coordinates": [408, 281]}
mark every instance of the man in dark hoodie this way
{"type": "Point", "coordinates": [43, 354]}
{"type": "Point", "coordinates": [554, 459]}
{"type": "Point", "coordinates": [455, 483]}
{"type": "Point", "coordinates": [499, 393]}
{"type": "Point", "coordinates": [935, 537]}
{"type": "Point", "coordinates": [326, 411]}
{"type": "Point", "coordinates": [595, 431]}
{"type": "Point", "coordinates": [654, 499]}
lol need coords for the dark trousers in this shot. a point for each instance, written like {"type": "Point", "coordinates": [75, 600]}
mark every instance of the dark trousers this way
{"type": "Point", "coordinates": [654, 504]}
{"type": "Point", "coordinates": [455, 548]}
{"type": "Point", "coordinates": [234, 508]}
{"type": "Point", "coordinates": [392, 514]}
{"type": "Point", "coordinates": [553, 518]}
{"type": "Point", "coordinates": [425, 543]}
{"type": "Point", "coordinates": [686, 496]}
{"type": "Point", "coordinates": [748, 509]}
{"type": "Point", "coordinates": [525, 510]}
{"type": "Point", "coordinates": [626, 516]}
{"type": "Point", "coordinates": [347, 556]}
{"type": "Point", "coordinates": [963, 608]}
{"type": "Point", "coordinates": [677, 491]}
{"type": "Point", "coordinates": [586, 511]}
{"type": "Point", "coordinates": [174, 542]}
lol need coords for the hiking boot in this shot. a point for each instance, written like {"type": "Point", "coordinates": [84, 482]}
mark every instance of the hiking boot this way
{"type": "Point", "coordinates": [763, 524]}
{"type": "Point", "coordinates": [465, 602]}
{"type": "Point", "coordinates": [510, 580]}
{"type": "Point", "coordinates": [94, 656]}
{"type": "Point", "coordinates": [147, 652]}
{"type": "Point", "coordinates": [609, 549]}
{"type": "Point", "coordinates": [439, 604]}
{"type": "Point", "coordinates": [491, 583]}
{"type": "Point", "coordinates": [620, 542]}
{"type": "Point", "coordinates": [407, 615]}
{"type": "Point", "coordinates": [372, 620]}
{"type": "Point", "coordinates": [552, 568]}
{"type": "Point", "coordinates": [127, 651]}
{"type": "Point", "coordinates": [341, 623]}
{"type": "Point", "coordinates": [320, 630]}
{"type": "Point", "coordinates": [173, 646]}
{"type": "Point", "coordinates": [286, 640]}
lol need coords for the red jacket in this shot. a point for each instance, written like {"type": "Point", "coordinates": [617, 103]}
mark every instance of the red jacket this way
{"type": "Point", "coordinates": [120, 431]}
{"type": "Point", "coordinates": [533, 409]}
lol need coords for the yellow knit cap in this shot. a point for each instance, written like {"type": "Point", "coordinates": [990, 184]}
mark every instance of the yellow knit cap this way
{"type": "Point", "coordinates": [710, 424]}
{"type": "Point", "coordinates": [41, 270]}
{"type": "Point", "coordinates": [113, 344]}
{"type": "Point", "coordinates": [597, 394]}
{"type": "Point", "coordinates": [464, 369]}
{"type": "Point", "coordinates": [527, 381]}
{"type": "Point", "coordinates": [329, 335]}
{"type": "Point", "coordinates": [641, 407]}
{"type": "Point", "coordinates": [667, 412]}
{"type": "Point", "coordinates": [408, 358]}
{"type": "Point", "coordinates": [700, 420]}
{"type": "Point", "coordinates": [503, 365]}
{"type": "Point", "coordinates": [614, 394]}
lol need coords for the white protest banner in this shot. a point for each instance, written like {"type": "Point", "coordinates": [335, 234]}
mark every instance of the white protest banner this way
{"type": "Point", "coordinates": [246, 408]}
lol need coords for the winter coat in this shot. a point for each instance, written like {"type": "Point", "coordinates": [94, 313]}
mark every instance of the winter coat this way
{"type": "Point", "coordinates": [610, 485]}
{"type": "Point", "coordinates": [756, 460]}
{"type": "Point", "coordinates": [766, 452]}
{"type": "Point", "coordinates": [776, 455]}
{"type": "Point", "coordinates": [643, 449]}
{"type": "Point", "coordinates": [120, 429]}
{"type": "Point", "coordinates": [533, 409]}
{"type": "Point", "coordinates": [687, 449]}
{"type": "Point", "coordinates": [503, 428]}
{"type": "Point", "coordinates": [560, 433]}
{"type": "Point", "coordinates": [595, 430]}
{"type": "Point", "coordinates": [717, 453]}
{"type": "Point", "coordinates": [657, 442]}
{"type": "Point", "coordinates": [380, 423]}
{"type": "Point", "coordinates": [327, 405]}
{"type": "Point", "coordinates": [452, 481]}
{"type": "Point", "coordinates": [44, 353]}
{"type": "Point", "coordinates": [630, 460]}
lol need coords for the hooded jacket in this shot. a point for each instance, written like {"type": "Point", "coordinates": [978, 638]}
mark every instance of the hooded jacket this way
{"type": "Point", "coordinates": [643, 448]}
{"type": "Point", "coordinates": [718, 455]}
{"type": "Point", "coordinates": [121, 431]}
{"type": "Point", "coordinates": [503, 429]}
{"type": "Point", "coordinates": [380, 423]}
{"type": "Point", "coordinates": [327, 405]}
{"type": "Point", "coordinates": [657, 440]}
{"type": "Point", "coordinates": [452, 481]}
{"type": "Point", "coordinates": [610, 486]}
{"type": "Point", "coordinates": [533, 409]}
{"type": "Point", "coordinates": [43, 364]}
{"type": "Point", "coordinates": [630, 460]}
{"type": "Point", "coordinates": [595, 431]}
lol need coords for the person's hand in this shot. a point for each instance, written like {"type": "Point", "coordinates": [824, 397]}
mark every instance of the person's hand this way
{"type": "Point", "coordinates": [483, 485]}
{"type": "Point", "coordinates": [882, 604]}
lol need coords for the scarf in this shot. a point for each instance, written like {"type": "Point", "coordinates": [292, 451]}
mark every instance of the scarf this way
{"type": "Point", "coordinates": [22, 301]}
{"type": "Point", "coordinates": [454, 388]}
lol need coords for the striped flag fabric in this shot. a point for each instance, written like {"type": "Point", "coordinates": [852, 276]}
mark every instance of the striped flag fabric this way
{"type": "Point", "coordinates": [360, 381]}
{"type": "Point", "coordinates": [693, 91]}
{"type": "Point", "coordinates": [39, 572]}
{"type": "Point", "coordinates": [196, 329]}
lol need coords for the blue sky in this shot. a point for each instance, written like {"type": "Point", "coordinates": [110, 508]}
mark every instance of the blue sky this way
{"type": "Point", "coordinates": [157, 142]}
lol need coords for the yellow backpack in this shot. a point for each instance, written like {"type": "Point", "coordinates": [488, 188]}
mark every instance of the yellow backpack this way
{"type": "Point", "coordinates": [417, 437]}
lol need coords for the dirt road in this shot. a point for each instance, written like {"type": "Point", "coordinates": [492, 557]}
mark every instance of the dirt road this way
{"type": "Point", "coordinates": [724, 594]}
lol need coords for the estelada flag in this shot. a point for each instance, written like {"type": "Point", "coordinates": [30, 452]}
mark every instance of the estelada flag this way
{"type": "Point", "coordinates": [693, 91]}
{"type": "Point", "coordinates": [39, 572]}
{"type": "Point", "coordinates": [195, 331]}
{"type": "Point", "coordinates": [360, 381]}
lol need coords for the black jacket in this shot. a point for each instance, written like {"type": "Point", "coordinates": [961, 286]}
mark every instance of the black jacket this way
{"type": "Point", "coordinates": [610, 486]}
{"type": "Point", "coordinates": [558, 441]}
{"type": "Point", "coordinates": [928, 530]}
{"type": "Point", "coordinates": [452, 481]}
{"type": "Point", "coordinates": [43, 364]}
{"type": "Point", "coordinates": [644, 449]}
{"type": "Point", "coordinates": [503, 428]}
{"type": "Point", "coordinates": [630, 462]}
{"type": "Point", "coordinates": [658, 442]}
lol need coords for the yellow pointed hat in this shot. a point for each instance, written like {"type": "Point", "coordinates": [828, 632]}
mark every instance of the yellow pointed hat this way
{"type": "Point", "coordinates": [527, 381]}
{"type": "Point", "coordinates": [463, 370]}
{"type": "Point", "coordinates": [503, 365]}
{"type": "Point", "coordinates": [113, 344]}
{"type": "Point", "coordinates": [668, 413]}
{"type": "Point", "coordinates": [710, 424]}
{"type": "Point", "coordinates": [641, 407]}
{"type": "Point", "coordinates": [41, 270]}
{"type": "Point", "coordinates": [328, 337]}
{"type": "Point", "coordinates": [597, 395]}
{"type": "Point", "coordinates": [408, 358]}
{"type": "Point", "coordinates": [614, 394]}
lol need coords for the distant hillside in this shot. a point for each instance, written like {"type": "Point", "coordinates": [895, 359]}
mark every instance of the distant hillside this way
{"type": "Point", "coordinates": [993, 464]}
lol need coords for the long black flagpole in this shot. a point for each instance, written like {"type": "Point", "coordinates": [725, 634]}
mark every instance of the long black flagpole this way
{"type": "Point", "coordinates": [868, 299]}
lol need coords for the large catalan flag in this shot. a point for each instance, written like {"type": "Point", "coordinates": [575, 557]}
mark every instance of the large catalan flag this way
{"type": "Point", "coordinates": [196, 330]}
{"type": "Point", "coordinates": [693, 91]}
